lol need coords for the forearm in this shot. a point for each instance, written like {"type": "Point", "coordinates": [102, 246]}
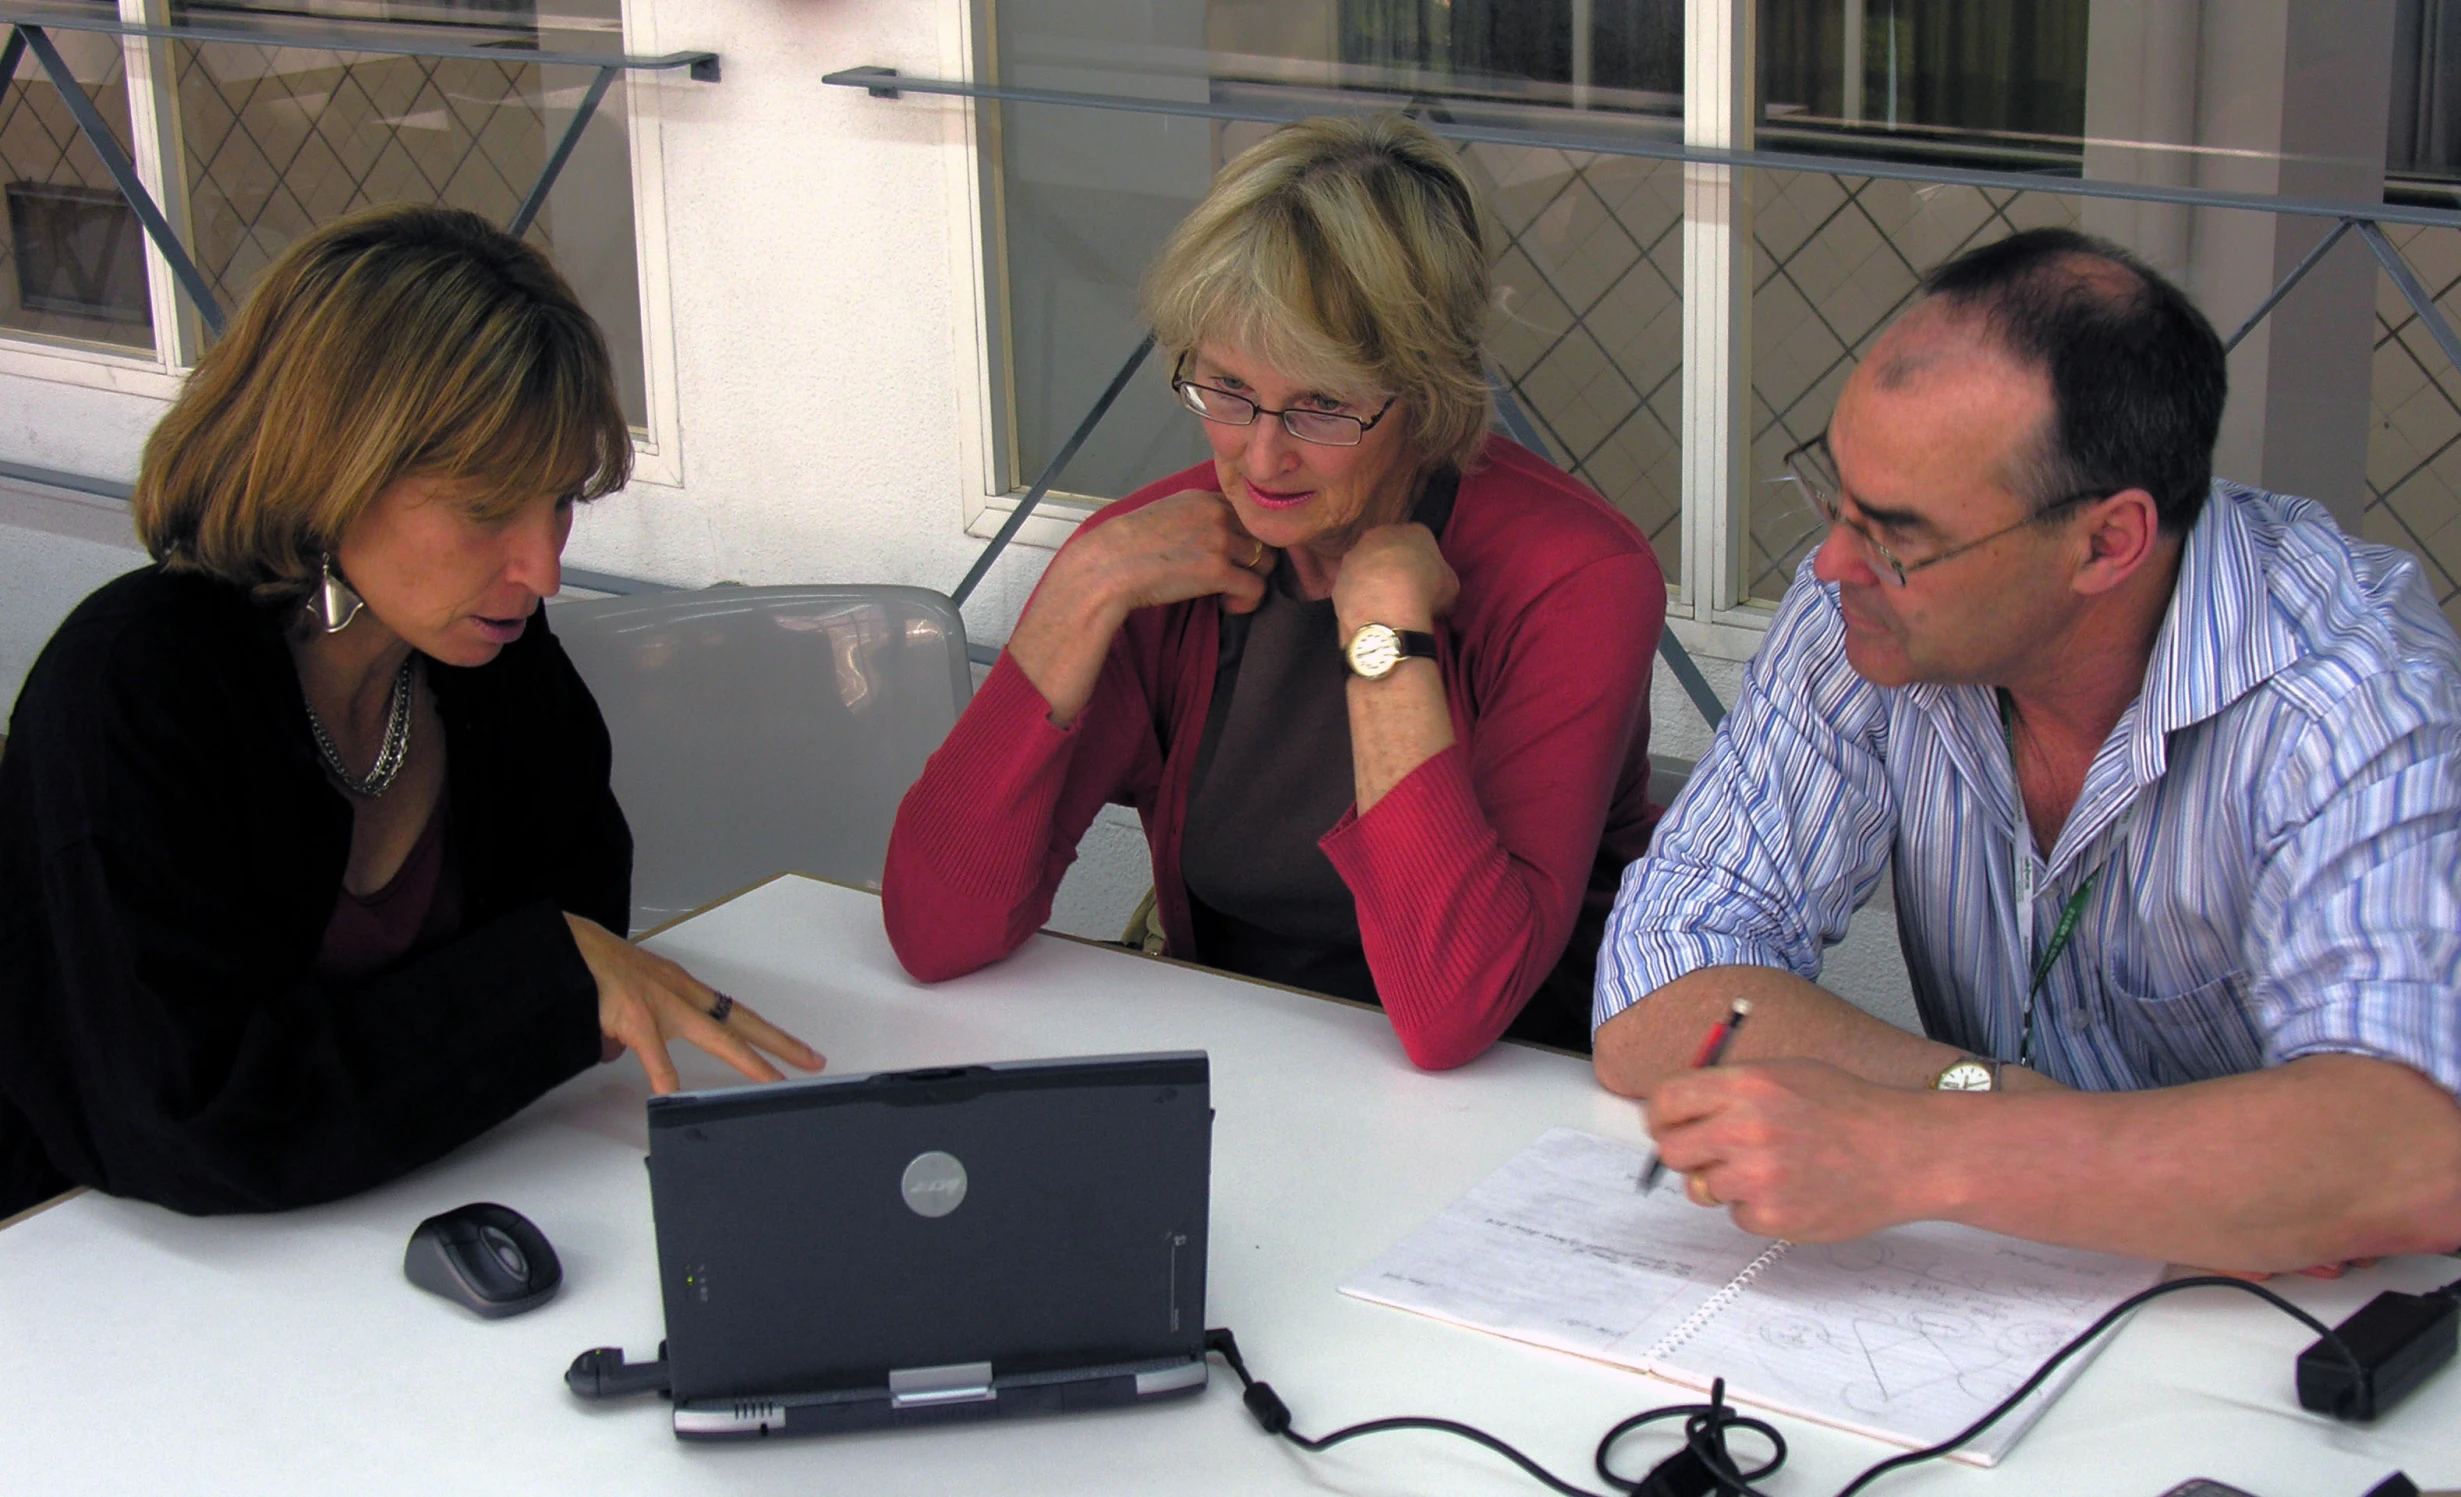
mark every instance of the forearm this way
{"type": "Point", "coordinates": [1791, 1018]}
{"type": "Point", "coordinates": [1396, 725]}
{"type": "Point", "coordinates": [1427, 860]}
{"type": "Point", "coordinates": [2325, 1159]}
{"type": "Point", "coordinates": [1063, 638]}
{"type": "Point", "coordinates": [331, 1091]}
{"type": "Point", "coordinates": [982, 836]}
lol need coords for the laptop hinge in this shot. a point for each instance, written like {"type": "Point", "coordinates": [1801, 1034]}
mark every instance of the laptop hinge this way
{"type": "Point", "coordinates": [925, 1387]}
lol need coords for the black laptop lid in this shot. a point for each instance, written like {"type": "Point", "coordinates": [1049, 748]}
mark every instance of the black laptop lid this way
{"type": "Point", "coordinates": [1038, 1215]}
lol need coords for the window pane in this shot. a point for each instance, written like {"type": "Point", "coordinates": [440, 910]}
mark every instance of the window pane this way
{"type": "Point", "coordinates": [2423, 151]}
{"type": "Point", "coordinates": [72, 262]}
{"type": "Point", "coordinates": [1588, 326]}
{"type": "Point", "coordinates": [2414, 447]}
{"type": "Point", "coordinates": [1835, 259]}
{"type": "Point", "coordinates": [281, 139]}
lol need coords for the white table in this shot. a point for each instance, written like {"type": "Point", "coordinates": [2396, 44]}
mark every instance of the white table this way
{"type": "Point", "coordinates": [142, 1351]}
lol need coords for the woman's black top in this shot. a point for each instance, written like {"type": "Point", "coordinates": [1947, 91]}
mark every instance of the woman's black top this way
{"type": "Point", "coordinates": [170, 852]}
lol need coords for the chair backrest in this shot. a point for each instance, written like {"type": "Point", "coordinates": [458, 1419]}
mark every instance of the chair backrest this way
{"type": "Point", "coordinates": [763, 730]}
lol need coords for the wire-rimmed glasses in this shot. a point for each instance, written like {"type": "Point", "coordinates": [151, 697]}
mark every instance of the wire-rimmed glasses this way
{"type": "Point", "coordinates": [1812, 469]}
{"type": "Point", "coordinates": [1324, 428]}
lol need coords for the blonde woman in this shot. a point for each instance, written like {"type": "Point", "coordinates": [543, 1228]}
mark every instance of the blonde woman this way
{"type": "Point", "coordinates": [309, 867]}
{"type": "Point", "coordinates": [1376, 680]}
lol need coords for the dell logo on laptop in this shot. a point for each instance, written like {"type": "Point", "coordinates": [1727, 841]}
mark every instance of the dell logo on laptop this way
{"type": "Point", "coordinates": [934, 1184]}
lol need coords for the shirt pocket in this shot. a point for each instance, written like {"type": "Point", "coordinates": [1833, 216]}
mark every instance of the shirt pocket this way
{"type": "Point", "coordinates": [2169, 1034]}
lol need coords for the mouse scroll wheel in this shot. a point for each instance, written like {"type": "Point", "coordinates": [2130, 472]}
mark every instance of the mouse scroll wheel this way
{"type": "Point", "coordinates": [507, 1251]}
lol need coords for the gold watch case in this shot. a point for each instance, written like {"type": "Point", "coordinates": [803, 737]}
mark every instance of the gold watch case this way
{"type": "Point", "coordinates": [1968, 1075]}
{"type": "Point", "coordinates": [1378, 649]}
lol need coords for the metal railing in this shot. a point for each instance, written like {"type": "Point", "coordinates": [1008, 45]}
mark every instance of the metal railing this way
{"type": "Point", "coordinates": [2365, 219]}
{"type": "Point", "coordinates": [29, 32]}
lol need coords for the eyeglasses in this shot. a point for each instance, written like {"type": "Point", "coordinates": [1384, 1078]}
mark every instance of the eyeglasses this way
{"type": "Point", "coordinates": [1324, 428]}
{"type": "Point", "coordinates": [1813, 469]}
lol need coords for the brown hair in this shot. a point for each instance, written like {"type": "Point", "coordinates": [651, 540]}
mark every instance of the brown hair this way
{"type": "Point", "coordinates": [400, 342]}
{"type": "Point", "coordinates": [1348, 252]}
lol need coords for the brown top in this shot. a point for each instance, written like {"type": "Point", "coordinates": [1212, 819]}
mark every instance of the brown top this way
{"type": "Point", "coordinates": [417, 908]}
{"type": "Point", "coordinates": [1273, 776]}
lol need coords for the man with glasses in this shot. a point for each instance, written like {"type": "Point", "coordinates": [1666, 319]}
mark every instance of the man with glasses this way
{"type": "Point", "coordinates": [2170, 774]}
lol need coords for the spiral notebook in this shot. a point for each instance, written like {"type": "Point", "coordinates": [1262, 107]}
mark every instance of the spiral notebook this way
{"type": "Point", "coordinates": [1907, 1336]}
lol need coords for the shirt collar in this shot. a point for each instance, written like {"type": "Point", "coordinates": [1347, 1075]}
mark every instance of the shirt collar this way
{"type": "Point", "coordinates": [2220, 639]}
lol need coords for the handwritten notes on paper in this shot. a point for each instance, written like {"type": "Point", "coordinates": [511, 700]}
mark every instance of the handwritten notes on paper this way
{"type": "Point", "coordinates": [1909, 1335]}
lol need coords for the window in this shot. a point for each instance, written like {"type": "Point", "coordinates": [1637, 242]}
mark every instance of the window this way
{"type": "Point", "coordinates": [1591, 331]}
{"type": "Point", "coordinates": [255, 144]}
{"type": "Point", "coordinates": [65, 264]}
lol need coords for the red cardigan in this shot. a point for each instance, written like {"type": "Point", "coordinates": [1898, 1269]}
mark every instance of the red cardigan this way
{"type": "Point", "coordinates": [1468, 874]}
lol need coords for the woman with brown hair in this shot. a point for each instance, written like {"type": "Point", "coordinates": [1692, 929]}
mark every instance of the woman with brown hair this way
{"type": "Point", "coordinates": [309, 866]}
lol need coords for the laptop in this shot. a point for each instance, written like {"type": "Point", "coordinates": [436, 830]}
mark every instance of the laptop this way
{"type": "Point", "coordinates": [918, 1247]}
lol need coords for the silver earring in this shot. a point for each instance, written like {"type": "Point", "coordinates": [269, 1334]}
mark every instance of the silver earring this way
{"type": "Point", "coordinates": [333, 603]}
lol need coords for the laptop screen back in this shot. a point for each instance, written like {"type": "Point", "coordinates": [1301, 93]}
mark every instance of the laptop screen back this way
{"type": "Point", "coordinates": [1042, 1215]}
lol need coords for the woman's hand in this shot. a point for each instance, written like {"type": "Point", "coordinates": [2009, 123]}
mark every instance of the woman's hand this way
{"type": "Point", "coordinates": [644, 1001]}
{"type": "Point", "coordinates": [1395, 575]}
{"type": "Point", "coordinates": [1189, 545]}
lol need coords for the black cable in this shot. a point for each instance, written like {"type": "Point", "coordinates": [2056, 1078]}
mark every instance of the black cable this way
{"type": "Point", "coordinates": [1705, 1465]}
{"type": "Point", "coordinates": [2086, 1338]}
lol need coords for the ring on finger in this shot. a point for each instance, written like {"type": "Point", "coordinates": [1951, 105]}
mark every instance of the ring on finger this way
{"type": "Point", "coordinates": [1259, 558]}
{"type": "Point", "coordinates": [720, 1009]}
{"type": "Point", "coordinates": [1696, 1185]}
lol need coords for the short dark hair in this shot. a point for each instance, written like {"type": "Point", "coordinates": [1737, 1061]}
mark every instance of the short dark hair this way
{"type": "Point", "coordinates": [2137, 376]}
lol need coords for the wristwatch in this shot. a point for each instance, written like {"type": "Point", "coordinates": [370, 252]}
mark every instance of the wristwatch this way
{"type": "Point", "coordinates": [1377, 649]}
{"type": "Point", "coordinates": [1969, 1073]}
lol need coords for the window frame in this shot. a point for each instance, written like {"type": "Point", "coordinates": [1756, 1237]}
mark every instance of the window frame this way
{"type": "Point", "coordinates": [1720, 108]}
{"type": "Point", "coordinates": [156, 146]}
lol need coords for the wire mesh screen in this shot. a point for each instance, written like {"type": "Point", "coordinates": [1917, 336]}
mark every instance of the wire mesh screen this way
{"type": "Point", "coordinates": [278, 140]}
{"type": "Point", "coordinates": [1589, 327]}
{"type": "Point", "coordinates": [1836, 258]}
{"type": "Point", "coordinates": [2414, 444]}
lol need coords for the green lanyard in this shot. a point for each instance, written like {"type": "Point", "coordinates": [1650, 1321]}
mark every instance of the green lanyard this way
{"type": "Point", "coordinates": [2069, 914]}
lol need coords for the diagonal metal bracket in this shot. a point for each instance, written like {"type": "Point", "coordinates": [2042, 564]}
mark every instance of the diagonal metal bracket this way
{"type": "Point", "coordinates": [1050, 473]}
{"type": "Point", "coordinates": [2412, 292]}
{"type": "Point", "coordinates": [11, 52]}
{"type": "Point", "coordinates": [528, 212]}
{"type": "Point", "coordinates": [2297, 275]}
{"type": "Point", "coordinates": [123, 172]}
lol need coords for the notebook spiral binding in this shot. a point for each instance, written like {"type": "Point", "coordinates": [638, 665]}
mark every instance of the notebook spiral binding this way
{"type": "Point", "coordinates": [1710, 1307]}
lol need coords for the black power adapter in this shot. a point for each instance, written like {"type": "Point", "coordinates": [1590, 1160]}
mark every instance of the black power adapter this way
{"type": "Point", "coordinates": [2399, 1340]}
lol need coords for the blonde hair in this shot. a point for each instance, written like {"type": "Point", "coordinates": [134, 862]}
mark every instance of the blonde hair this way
{"type": "Point", "coordinates": [400, 342]}
{"type": "Point", "coordinates": [1349, 253]}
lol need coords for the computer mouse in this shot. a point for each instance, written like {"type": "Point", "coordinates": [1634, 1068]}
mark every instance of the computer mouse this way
{"type": "Point", "coordinates": [486, 1257]}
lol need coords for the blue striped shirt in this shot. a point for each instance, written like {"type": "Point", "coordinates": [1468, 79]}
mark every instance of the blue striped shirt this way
{"type": "Point", "coordinates": [2277, 816]}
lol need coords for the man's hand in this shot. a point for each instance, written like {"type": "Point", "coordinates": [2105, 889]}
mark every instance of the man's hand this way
{"type": "Point", "coordinates": [1797, 1148]}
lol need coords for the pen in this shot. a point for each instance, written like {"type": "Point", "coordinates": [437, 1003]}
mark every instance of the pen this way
{"type": "Point", "coordinates": [1712, 1050]}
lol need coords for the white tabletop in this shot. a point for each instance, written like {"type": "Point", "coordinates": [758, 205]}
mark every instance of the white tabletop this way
{"type": "Point", "coordinates": [145, 1351]}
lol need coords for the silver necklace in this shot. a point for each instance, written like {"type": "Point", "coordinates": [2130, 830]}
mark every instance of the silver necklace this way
{"type": "Point", "coordinates": [389, 758]}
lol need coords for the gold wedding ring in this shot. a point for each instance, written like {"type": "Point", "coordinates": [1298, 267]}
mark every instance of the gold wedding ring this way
{"type": "Point", "coordinates": [1258, 559]}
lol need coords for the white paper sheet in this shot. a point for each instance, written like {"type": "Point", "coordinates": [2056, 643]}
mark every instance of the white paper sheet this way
{"type": "Point", "coordinates": [1908, 1336]}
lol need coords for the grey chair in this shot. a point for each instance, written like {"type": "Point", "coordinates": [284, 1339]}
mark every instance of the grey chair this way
{"type": "Point", "coordinates": [763, 730]}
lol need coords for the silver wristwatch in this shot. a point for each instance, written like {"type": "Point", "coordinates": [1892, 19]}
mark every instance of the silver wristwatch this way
{"type": "Point", "coordinates": [1378, 649]}
{"type": "Point", "coordinates": [1969, 1073]}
